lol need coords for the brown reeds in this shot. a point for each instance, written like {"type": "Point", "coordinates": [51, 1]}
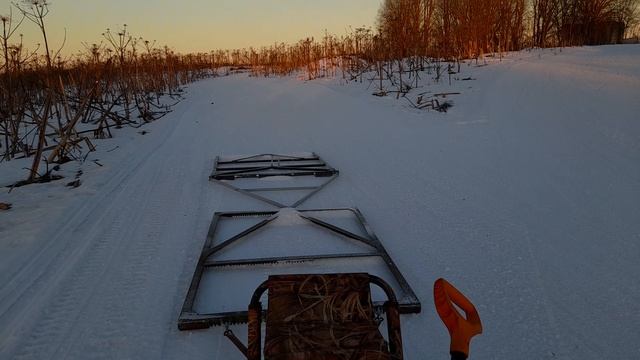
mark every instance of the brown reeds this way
{"type": "Point", "coordinates": [55, 105]}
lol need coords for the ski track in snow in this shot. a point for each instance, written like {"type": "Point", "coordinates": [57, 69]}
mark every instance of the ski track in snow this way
{"type": "Point", "coordinates": [524, 195]}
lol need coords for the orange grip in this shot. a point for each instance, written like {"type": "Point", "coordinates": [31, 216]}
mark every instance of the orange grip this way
{"type": "Point", "coordinates": [460, 329]}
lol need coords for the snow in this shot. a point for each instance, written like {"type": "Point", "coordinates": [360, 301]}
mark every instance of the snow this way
{"type": "Point", "coordinates": [524, 195]}
{"type": "Point", "coordinates": [289, 235]}
{"type": "Point", "coordinates": [288, 217]}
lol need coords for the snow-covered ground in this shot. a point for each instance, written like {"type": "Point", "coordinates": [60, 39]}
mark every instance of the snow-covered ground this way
{"type": "Point", "coordinates": [526, 195]}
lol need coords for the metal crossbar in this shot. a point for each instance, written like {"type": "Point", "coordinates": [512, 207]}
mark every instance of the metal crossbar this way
{"type": "Point", "coordinates": [190, 319]}
{"type": "Point", "coordinates": [226, 170]}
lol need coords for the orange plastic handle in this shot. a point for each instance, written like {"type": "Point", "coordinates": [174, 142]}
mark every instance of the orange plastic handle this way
{"type": "Point", "coordinates": [460, 329]}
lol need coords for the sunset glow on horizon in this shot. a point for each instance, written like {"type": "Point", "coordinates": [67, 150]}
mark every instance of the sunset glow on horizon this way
{"type": "Point", "coordinates": [198, 25]}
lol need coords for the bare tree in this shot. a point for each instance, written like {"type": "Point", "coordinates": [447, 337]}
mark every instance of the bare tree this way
{"type": "Point", "coordinates": [10, 125]}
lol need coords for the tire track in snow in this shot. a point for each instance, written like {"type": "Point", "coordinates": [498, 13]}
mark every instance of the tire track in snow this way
{"type": "Point", "coordinates": [126, 295]}
{"type": "Point", "coordinates": [64, 258]}
{"type": "Point", "coordinates": [124, 314]}
{"type": "Point", "coordinates": [85, 212]}
{"type": "Point", "coordinates": [59, 316]}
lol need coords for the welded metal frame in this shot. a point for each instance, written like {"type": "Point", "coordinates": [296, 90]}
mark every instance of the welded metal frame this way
{"type": "Point", "coordinates": [191, 320]}
{"type": "Point", "coordinates": [266, 165]}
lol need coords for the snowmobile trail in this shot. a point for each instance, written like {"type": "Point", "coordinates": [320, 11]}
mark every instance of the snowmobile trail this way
{"type": "Point", "coordinates": [75, 268]}
{"type": "Point", "coordinates": [524, 195]}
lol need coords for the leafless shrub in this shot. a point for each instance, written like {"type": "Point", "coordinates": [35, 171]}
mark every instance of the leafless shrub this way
{"type": "Point", "coordinates": [53, 105]}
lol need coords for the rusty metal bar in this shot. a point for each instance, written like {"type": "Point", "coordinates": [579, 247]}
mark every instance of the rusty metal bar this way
{"type": "Point", "coordinates": [285, 259]}
{"type": "Point", "coordinates": [407, 303]}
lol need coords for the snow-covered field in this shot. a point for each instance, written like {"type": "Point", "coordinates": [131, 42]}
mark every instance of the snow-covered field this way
{"type": "Point", "coordinates": [526, 195]}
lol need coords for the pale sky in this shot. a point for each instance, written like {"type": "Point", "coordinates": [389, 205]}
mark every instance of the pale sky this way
{"type": "Point", "coordinates": [199, 25]}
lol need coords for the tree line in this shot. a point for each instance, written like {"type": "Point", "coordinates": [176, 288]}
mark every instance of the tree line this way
{"type": "Point", "coordinates": [469, 28]}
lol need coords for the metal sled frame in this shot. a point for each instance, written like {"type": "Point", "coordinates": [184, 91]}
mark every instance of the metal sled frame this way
{"type": "Point", "coordinates": [265, 165]}
{"type": "Point", "coordinates": [191, 320]}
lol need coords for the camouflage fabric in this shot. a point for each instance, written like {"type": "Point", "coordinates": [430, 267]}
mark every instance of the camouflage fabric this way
{"type": "Point", "coordinates": [322, 317]}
